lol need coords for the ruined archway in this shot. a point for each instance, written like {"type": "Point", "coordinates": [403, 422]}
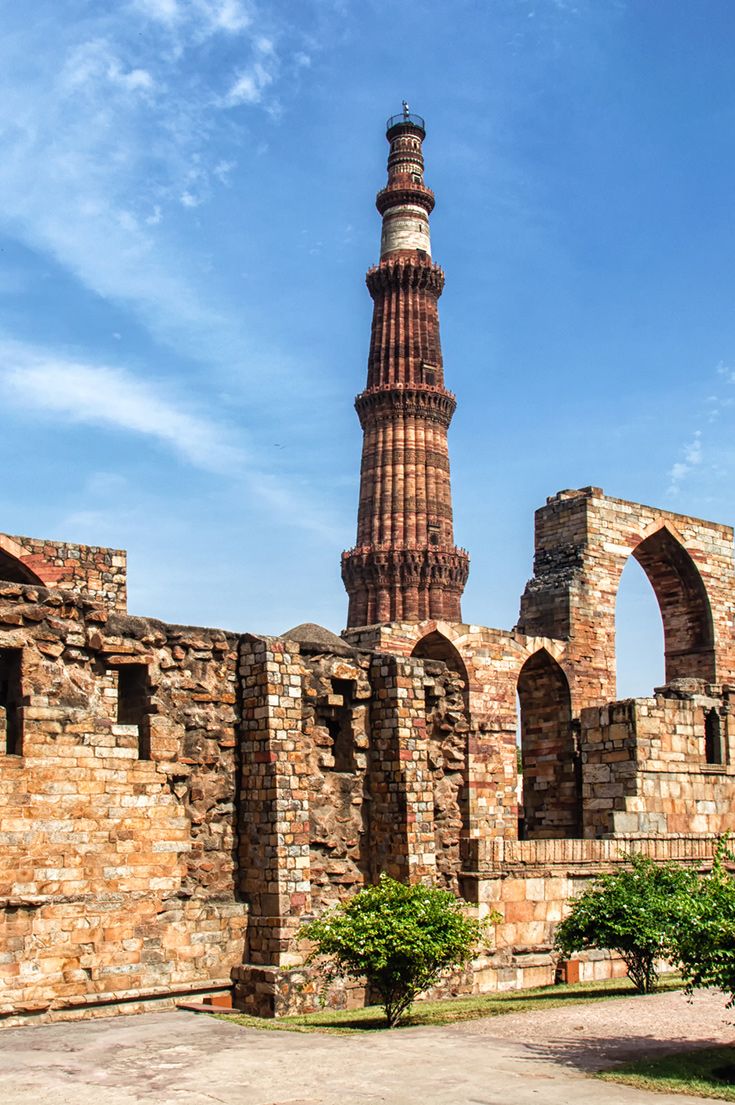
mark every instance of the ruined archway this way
{"type": "Point", "coordinates": [13, 570]}
{"type": "Point", "coordinates": [435, 646]}
{"type": "Point", "coordinates": [447, 728]}
{"type": "Point", "coordinates": [689, 645]}
{"type": "Point", "coordinates": [639, 635]}
{"type": "Point", "coordinates": [551, 805]}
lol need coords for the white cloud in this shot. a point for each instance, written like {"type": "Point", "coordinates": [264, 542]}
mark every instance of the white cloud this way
{"type": "Point", "coordinates": [134, 79]}
{"type": "Point", "coordinates": [726, 371]}
{"type": "Point", "coordinates": [165, 11]}
{"type": "Point", "coordinates": [223, 169]}
{"type": "Point", "coordinates": [227, 15]}
{"type": "Point", "coordinates": [106, 138]}
{"type": "Point", "coordinates": [207, 16]}
{"type": "Point", "coordinates": [95, 62]}
{"type": "Point", "coordinates": [107, 395]}
{"type": "Point", "coordinates": [693, 451]}
{"type": "Point", "coordinates": [80, 392]}
{"type": "Point", "coordinates": [188, 200]}
{"type": "Point", "coordinates": [693, 455]}
{"type": "Point", "coordinates": [250, 85]}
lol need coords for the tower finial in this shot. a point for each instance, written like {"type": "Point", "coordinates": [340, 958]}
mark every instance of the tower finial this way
{"type": "Point", "coordinates": [406, 109]}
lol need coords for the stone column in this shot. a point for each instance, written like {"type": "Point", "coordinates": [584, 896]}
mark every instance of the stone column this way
{"type": "Point", "coordinates": [402, 798]}
{"type": "Point", "coordinates": [273, 824]}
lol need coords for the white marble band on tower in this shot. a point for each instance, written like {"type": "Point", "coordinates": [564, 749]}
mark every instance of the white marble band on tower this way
{"type": "Point", "coordinates": [405, 227]}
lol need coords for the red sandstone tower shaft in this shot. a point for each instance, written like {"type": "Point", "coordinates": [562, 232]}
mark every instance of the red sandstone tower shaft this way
{"type": "Point", "coordinates": [405, 566]}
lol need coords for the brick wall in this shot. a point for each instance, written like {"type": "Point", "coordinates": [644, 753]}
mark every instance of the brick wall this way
{"type": "Point", "coordinates": [645, 767]}
{"type": "Point", "coordinates": [116, 871]}
{"type": "Point", "coordinates": [529, 883]}
{"type": "Point", "coordinates": [97, 573]}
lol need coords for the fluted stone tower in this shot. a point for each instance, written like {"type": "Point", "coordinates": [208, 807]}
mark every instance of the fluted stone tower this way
{"type": "Point", "coordinates": [405, 566]}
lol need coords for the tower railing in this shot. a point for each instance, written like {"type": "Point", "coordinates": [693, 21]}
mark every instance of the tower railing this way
{"type": "Point", "coordinates": [410, 120]}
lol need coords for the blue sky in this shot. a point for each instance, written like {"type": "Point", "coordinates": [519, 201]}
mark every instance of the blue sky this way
{"type": "Point", "coordinates": [186, 216]}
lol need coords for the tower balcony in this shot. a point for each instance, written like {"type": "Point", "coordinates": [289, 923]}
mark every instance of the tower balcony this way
{"type": "Point", "coordinates": [395, 124]}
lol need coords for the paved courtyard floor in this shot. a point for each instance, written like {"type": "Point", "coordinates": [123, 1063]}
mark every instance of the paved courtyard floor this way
{"type": "Point", "coordinates": [534, 1058]}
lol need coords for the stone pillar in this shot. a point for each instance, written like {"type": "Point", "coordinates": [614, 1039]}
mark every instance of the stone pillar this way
{"type": "Point", "coordinates": [273, 824]}
{"type": "Point", "coordinates": [402, 798]}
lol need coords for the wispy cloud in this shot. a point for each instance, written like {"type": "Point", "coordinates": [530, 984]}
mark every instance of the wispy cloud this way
{"type": "Point", "coordinates": [107, 137]}
{"type": "Point", "coordinates": [691, 458]}
{"type": "Point", "coordinates": [209, 16]}
{"type": "Point", "coordinates": [41, 381]}
{"type": "Point", "coordinates": [251, 83]}
{"type": "Point", "coordinates": [111, 396]}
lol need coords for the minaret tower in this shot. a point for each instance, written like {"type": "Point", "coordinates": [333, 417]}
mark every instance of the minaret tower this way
{"type": "Point", "coordinates": [405, 566]}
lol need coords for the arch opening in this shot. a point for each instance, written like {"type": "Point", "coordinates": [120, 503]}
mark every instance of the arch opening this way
{"type": "Point", "coordinates": [435, 646]}
{"type": "Point", "coordinates": [552, 793]}
{"type": "Point", "coordinates": [639, 635]}
{"type": "Point", "coordinates": [446, 702]}
{"type": "Point", "coordinates": [689, 643]}
{"type": "Point", "coordinates": [13, 570]}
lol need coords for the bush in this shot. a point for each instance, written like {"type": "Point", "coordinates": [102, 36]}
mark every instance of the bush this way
{"type": "Point", "coordinates": [635, 912]}
{"type": "Point", "coordinates": [705, 937]}
{"type": "Point", "coordinates": [400, 938]}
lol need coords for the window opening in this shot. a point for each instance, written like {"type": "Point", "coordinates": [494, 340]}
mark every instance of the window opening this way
{"type": "Point", "coordinates": [11, 701]}
{"type": "Point", "coordinates": [133, 701]}
{"type": "Point", "coordinates": [712, 738]}
{"type": "Point", "coordinates": [428, 374]}
{"type": "Point", "coordinates": [335, 714]}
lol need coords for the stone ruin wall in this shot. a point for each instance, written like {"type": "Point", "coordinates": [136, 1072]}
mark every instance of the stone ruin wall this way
{"type": "Point", "coordinates": [529, 882]}
{"type": "Point", "coordinates": [646, 766]}
{"type": "Point", "coordinates": [337, 720]}
{"type": "Point", "coordinates": [116, 871]}
{"type": "Point", "coordinates": [583, 541]}
{"type": "Point", "coordinates": [160, 855]}
{"type": "Point", "coordinates": [99, 573]}
{"type": "Point", "coordinates": [176, 847]}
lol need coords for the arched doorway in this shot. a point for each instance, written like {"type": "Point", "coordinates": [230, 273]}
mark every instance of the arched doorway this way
{"type": "Point", "coordinates": [689, 644]}
{"type": "Point", "coordinates": [551, 805]}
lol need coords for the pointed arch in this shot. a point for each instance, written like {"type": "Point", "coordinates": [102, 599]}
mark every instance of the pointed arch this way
{"type": "Point", "coordinates": [689, 641]}
{"type": "Point", "coordinates": [12, 568]}
{"type": "Point", "coordinates": [551, 806]}
{"type": "Point", "coordinates": [435, 646]}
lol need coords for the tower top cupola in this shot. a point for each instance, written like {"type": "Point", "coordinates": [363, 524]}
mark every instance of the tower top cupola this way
{"type": "Point", "coordinates": [405, 203]}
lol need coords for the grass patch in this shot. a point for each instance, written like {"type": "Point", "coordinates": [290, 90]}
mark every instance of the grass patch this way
{"type": "Point", "coordinates": [451, 1010]}
{"type": "Point", "coordinates": [703, 1073]}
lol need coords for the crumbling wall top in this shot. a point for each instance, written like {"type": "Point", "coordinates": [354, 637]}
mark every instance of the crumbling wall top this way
{"type": "Point", "coordinates": [86, 570]}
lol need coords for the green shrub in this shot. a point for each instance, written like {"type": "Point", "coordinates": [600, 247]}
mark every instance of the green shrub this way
{"type": "Point", "coordinates": [635, 912]}
{"type": "Point", "coordinates": [400, 938]}
{"type": "Point", "coordinates": [705, 937]}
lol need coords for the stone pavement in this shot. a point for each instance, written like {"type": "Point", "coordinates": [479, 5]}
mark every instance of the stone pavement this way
{"type": "Point", "coordinates": [528, 1059]}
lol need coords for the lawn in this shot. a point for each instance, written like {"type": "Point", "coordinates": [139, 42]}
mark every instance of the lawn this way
{"type": "Point", "coordinates": [703, 1073]}
{"type": "Point", "coordinates": [450, 1011]}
